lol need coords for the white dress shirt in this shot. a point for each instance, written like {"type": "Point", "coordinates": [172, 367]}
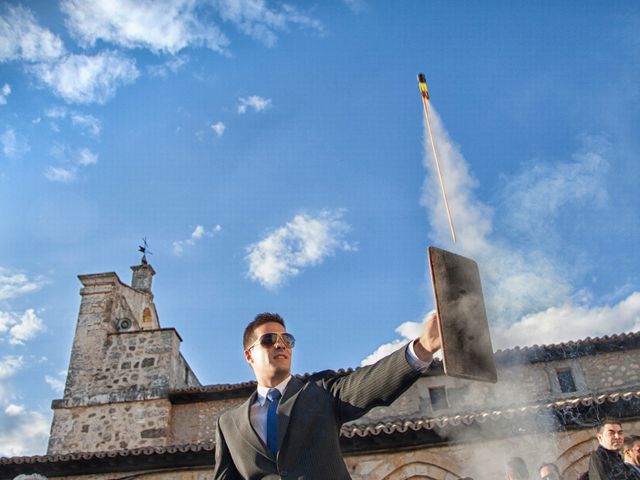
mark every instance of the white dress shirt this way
{"type": "Point", "coordinates": [258, 413]}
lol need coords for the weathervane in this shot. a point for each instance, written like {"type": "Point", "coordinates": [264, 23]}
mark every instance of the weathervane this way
{"type": "Point", "coordinates": [144, 248]}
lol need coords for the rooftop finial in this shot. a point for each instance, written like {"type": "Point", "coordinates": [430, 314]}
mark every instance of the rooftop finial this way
{"type": "Point", "coordinates": [144, 248]}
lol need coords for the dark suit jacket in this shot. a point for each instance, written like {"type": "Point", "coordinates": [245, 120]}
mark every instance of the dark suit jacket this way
{"type": "Point", "coordinates": [310, 415]}
{"type": "Point", "coordinates": [608, 465]}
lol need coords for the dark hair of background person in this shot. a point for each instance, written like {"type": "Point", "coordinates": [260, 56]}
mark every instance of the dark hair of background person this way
{"type": "Point", "coordinates": [608, 421]}
{"type": "Point", "coordinates": [630, 440]}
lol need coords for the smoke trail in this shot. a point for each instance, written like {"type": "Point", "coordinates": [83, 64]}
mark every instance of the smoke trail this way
{"type": "Point", "coordinates": [527, 288]}
{"type": "Point", "coordinates": [515, 282]}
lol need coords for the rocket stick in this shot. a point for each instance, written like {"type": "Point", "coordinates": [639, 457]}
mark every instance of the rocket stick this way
{"type": "Point", "coordinates": [422, 82]}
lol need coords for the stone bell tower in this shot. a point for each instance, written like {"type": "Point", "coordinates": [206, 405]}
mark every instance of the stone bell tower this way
{"type": "Point", "coordinates": [142, 276]}
{"type": "Point", "coordinates": [122, 366]}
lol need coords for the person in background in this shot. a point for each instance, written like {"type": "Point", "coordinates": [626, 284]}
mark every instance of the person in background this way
{"type": "Point", "coordinates": [549, 471]}
{"type": "Point", "coordinates": [517, 469]}
{"type": "Point", "coordinates": [631, 449]}
{"type": "Point", "coordinates": [606, 461]}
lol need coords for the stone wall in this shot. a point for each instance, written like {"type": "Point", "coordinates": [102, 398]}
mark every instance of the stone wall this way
{"type": "Point", "coordinates": [611, 370]}
{"type": "Point", "coordinates": [113, 426]}
{"type": "Point", "coordinates": [196, 422]}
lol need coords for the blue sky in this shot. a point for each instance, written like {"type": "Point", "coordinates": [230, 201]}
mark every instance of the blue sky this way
{"type": "Point", "coordinates": [274, 157]}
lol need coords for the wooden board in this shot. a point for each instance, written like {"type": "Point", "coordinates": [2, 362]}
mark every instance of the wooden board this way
{"type": "Point", "coordinates": [462, 317]}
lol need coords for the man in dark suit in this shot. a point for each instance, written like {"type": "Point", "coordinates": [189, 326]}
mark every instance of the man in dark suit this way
{"type": "Point", "coordinates": [606, 461]}
{"type": "Point", "coordinates": [289, 427]}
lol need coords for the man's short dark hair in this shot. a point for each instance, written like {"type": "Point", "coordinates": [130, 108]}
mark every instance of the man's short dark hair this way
{"type": "Point", "coordinates": [608, 421]}
{"type": "Point", "coordinates": [262, 318]}
{"type": "Point", "coordinates": [630, 440]}
{"type": "Point", "coordinates": [517, 469]}
{"type": "Point", "coordinates": [550, 466]}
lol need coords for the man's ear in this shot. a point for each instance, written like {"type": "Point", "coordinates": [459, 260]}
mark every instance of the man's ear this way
{"type": "Point", "coordinates": [599, 437]}
{"type": "Point", "coordinates": [248, 357]}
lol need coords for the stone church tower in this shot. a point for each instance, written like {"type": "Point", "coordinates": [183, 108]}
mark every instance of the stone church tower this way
{"type": "Point", "coordinates": [122, 367]}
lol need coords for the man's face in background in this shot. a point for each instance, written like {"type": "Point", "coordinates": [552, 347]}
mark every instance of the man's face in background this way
{"type": "Point", "coordinates": [611, 436]}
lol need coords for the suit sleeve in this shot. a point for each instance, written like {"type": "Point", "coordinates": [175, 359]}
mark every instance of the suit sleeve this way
{"type": "Point", "coordinates": [371, 386]}
{"type": "Point", "coordinates": [224, 468]}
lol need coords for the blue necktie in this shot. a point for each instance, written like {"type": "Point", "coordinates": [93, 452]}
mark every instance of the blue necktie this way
{"type": "Point", "coordinates": [272, 421]}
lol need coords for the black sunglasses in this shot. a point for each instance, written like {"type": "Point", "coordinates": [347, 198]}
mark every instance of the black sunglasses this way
{"type": "Point", "coordinates": [268, 340]}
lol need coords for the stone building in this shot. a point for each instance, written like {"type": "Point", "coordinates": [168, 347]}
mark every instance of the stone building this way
{"type": "Point", "coordinates": [133, 409]}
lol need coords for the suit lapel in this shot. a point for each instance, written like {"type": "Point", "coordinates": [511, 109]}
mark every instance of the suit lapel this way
{"type": "Point", "coordinates": [242, 419]}
{"type": "Point", "coordinates": [285, 407]}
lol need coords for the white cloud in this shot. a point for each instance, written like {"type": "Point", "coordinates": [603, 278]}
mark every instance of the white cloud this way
{"type": "Point", "coordinates": [254, 101]}
{"type": "Point", "coordinates": [356, 6]}
{"type": "Point", "coordinates": [90, 123]}
{"type": "Point", "coordinates": [87, 79]}
{"type": "Point", "coordinates": [198, 233]}
{"type": "Point", "coordinates": [6, 320]}
{"type": "Point", "coordinates": [9, 366]}
{"type": "Point", "coordinates": [171, 25]}
{"type": "Point", "coordinates": [27, 327]}
{"type": "Point", "coordinates": [161, 26]}
{"type": "Point", "coordinates": [56, 384]}
{"type": "Point", "coordinates": [56, 112]}
{"type": "Point", "coordinates": [60, 174]}
{"type": "Point", "coordinates": [9, 142]}
{"type": "Point", "coordinates": [408, 331]}
{"type": "Point", "coordinates": [23, 432]}
{"type": "Point", "coordinates": [219, 128]}
{"type": "Point", "coordinates": [303, 242]}
{"type": "Point", "coordinates": [20, 328]}
{"type": "Point", "coordinates": [72, 159]}
{"type": "Point", "coordinates": [4, 93]}
{"type": "Point", "coordinates": [173, 65]}
{"type": "Point", "coordinates": [87, 157]}
{"type": "Point", "coordinates": [12, 145]}
{"type": "Point", "coordinates": [569, 322]}
{"type": "Point", "coordinates": [539, 194]}
{"type": "Point", "coordinates": [21, 38]}
{"type": "Point", "coordinates": [14, 284]}
{"type": "Point", "coordinates": [254, 18]}
{"type": "Point", "coordinates": [14, 410]}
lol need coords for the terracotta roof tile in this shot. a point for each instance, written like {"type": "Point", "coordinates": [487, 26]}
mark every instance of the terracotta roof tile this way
{"type": "Point", "coordinates": [403, 425]}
